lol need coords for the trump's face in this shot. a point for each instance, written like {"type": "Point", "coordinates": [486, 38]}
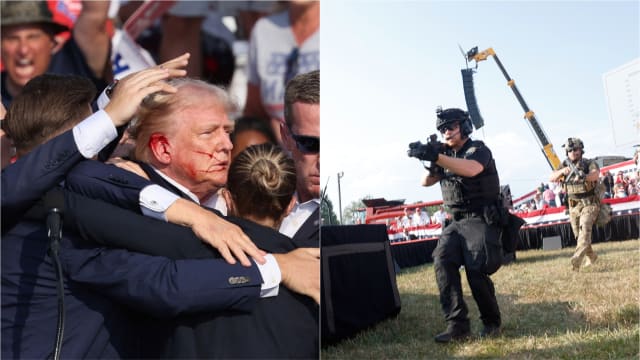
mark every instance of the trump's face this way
{"type": "Point", "coordinates": [201, 146]}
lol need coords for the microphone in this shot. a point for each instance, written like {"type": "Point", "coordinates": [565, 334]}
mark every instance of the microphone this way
{"type": "Point", "coordinates": [54, 202]}
{"type": "Point", "coordinates": [451, 136]}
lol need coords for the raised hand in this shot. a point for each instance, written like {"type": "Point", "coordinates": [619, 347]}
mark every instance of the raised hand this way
{"type": "Point", "coordinates": [226, 237]}
{"type": "Point", "coordinates": [300, 270]}
{"type": "Point", "coordinates": [133, 88]}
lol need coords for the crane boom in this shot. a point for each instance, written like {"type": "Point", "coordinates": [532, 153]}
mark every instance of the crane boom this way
{"type": "Point", "coordinates": [547, 147]}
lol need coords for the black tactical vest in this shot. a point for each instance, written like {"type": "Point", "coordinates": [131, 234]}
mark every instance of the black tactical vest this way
{"type": "Point", "coordinates": [470, 193]}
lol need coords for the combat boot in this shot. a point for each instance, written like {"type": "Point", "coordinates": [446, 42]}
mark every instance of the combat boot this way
{"type": "Point", "coordinates": [453, 333]}
{"type": "Point", "coordinates": [490, 331]}
{"type": "Point", "coordinates": [591, 260]}
{"type": "Point", "coordinates": [575, 264]}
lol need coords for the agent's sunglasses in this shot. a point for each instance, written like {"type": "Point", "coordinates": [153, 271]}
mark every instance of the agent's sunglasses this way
{"type": "Point", "coordinates": [572, 149]}
{"type": "Point", "coordinates": [449, 127]}
{"type": "Point", "coordinates": [307, 144]}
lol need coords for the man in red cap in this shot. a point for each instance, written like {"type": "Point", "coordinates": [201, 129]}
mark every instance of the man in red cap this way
{"type": "Point", "coordinates": [29, 47]}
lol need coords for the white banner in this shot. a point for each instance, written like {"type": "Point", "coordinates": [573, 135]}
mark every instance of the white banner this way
{"type": "Point", "coordinates": [622, 90]}
{"type": "Point", "coordinates": [127, 56]}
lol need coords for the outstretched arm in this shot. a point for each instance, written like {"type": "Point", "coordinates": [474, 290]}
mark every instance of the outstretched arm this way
{"type": "Point", "coordinates": [26, 181]}
{"type": "Point", "coordinates": [299, 269]}
{"type": "Point", "coordinates": [125, 189]}
{"type": "Point", "coordinates": [91, 35]}
{"type": "Point", "coordinates": [109, 225]}
{"type": "Point", "coordinates": [459, 166]}
{"type": "Point", "coordinates": [160, 286]}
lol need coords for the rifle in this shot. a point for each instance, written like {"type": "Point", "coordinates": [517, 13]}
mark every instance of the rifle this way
{"type": "Point", "coordinates": [575, 172]}
{"type": "Point", "coordinates": [422, 151]}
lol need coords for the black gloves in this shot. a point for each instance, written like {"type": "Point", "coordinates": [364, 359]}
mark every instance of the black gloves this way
{"type": "Point", "coordinates": [432, 150]}
{"type": "Point", "coordinates": [425, 152]}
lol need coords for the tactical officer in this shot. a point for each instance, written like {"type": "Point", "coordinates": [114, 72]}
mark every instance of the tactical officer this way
{"type": "Point", "coordinates": [470, 188]}
{"type": "Point", "coordinates": [580, 180]}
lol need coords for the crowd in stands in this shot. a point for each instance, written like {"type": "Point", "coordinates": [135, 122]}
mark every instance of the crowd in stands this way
{"type": "Point", "coordinates": [546, 196]}
{"type": "Point", "coordinates": [621, 185]}
{"type": "Point", "coordinates": [416, 218]}
{"type": "Point", "coordinates": [549, 195]}
{"type": "Point", "coordinates": [552, 195]}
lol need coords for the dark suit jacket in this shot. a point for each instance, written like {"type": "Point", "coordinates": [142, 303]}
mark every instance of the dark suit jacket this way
{"type": "Point", "coordinates": [309, 233]}
{"type": "Point", "coordinates": [117, 229]}
{"type": "Point", "coordinates": [26, 181]}
{"type": "Point", "coordinates": [96, 327]}
{"type": "Point", "coordinates": [285, 326]}
{"type": "Point", "coordinates": [29, 305]}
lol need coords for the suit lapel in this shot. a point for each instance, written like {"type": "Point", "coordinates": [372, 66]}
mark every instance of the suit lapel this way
{"type": "Point", "coordinates": [157, 179]}
{"type": "Point", "coordinates": [307, 235]}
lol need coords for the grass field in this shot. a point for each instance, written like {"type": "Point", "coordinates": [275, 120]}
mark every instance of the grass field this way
{"type": "Point", "coordinates": [548, 312]}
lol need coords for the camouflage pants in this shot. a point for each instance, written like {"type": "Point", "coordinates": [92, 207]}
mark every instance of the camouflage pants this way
{"type": "Point", "coordinates": [583, 216]}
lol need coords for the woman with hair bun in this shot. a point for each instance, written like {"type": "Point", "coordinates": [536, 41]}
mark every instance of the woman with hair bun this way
{"type": "Point", "coordinates": [259, 194]}
{"type": "Point", "coordinates": [261, 184]}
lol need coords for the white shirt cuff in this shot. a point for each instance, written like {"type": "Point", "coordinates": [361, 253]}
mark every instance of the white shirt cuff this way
{"type": "Point", "coordinates": [271, 277]}
{"type": "Point", "coordinates": [94, 133]}
{"type": "Point", "coordinates": [103, 99]}
{"type": "Point", "coordinates": [155, 200]}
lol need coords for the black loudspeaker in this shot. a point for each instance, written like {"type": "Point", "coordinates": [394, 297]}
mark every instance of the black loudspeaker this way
{"type": "Point", "coordinates": [470, 98]}
{"type": "Point", "coordinates": [358, 280]}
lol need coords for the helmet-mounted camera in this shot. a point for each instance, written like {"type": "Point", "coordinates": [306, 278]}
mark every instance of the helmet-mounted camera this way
{"type": "Point", "coordinates": [573, 144]}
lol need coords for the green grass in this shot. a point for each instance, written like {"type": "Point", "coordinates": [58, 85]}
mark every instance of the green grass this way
{"type": "Point", "coordinates": [548, 312]}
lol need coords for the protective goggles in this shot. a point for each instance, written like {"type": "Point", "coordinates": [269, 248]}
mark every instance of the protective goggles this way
{"type": "Point", "coordinates": [452, 126]}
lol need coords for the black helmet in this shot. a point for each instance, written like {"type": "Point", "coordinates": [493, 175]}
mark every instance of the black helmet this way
{"type": "Point", "coordinates": [452, 115]}
{"type": "Point", "coordinates": [573, 143]}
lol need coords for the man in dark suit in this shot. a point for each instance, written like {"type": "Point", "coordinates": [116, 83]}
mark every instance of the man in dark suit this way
{"type": "Point", "coordinates": [301, 136]}
{"type": "Point", "coordinates": [95, 325]}
{"type": "Point", "coordinates": [282, 326]}
{"type": "Point", "coordinates": [186, 152]}
{"type": "Point", "coordinates": [26, 181]}
{"type": "Point", "coordinates": [183, 144]}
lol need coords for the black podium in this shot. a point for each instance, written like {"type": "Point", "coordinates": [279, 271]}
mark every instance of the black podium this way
{"type": "Point", "coordinates": [358, 280]}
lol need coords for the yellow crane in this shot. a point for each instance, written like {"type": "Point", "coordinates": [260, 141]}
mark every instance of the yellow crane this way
{"type": "Point", "coordinates": [543, 141]}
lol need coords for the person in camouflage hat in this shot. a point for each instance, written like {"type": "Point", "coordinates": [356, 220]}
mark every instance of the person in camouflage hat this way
{"type": "Point", "coordinates": [29, 46]}
{"type": "Point", "coordinates": [580, 177]}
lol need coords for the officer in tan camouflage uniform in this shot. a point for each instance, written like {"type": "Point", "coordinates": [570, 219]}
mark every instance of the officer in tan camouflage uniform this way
{"type": "Point", "coordinates": [580, 177]}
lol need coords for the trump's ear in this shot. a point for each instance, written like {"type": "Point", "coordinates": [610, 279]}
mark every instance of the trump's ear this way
{"type": "Point", "coordinates": [160, 148]}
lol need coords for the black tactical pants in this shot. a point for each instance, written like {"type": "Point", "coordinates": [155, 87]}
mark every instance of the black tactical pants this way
{"type": "Point", "coordinates": [470, 242]}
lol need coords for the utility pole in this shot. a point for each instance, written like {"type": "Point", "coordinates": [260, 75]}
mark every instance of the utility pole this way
{"type": "Point", "coordinates": [340, 175]}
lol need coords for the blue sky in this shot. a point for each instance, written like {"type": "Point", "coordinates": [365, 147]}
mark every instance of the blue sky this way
{"type": "Point", "coordinates": [387, 65]}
